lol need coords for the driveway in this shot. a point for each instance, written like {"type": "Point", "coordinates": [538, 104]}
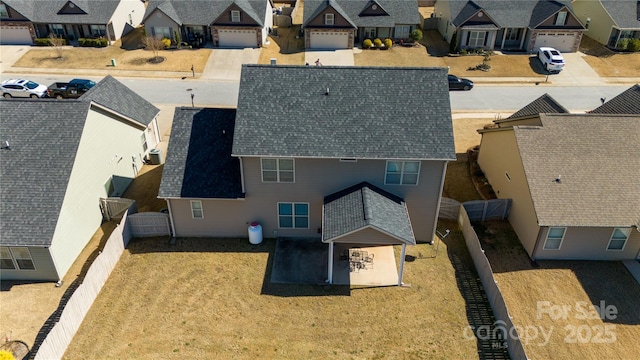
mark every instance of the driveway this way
{"type": "Point", "coordinates": [576, 72]}
{"type": "Point", "coordinates": [343, 57]}
{"type": "Point", "coordinates": [9, 54]}
{"type": "Point", "coordinates": [225, 64]}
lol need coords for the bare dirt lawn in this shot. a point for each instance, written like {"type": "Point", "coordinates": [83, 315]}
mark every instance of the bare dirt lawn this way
{"type": "Point", "coordinates": [608, 63]}
{"type": "Point", "coordinates": [285, 48]}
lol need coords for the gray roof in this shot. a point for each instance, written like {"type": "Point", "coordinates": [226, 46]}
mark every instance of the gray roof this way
{"type": "Point", "coordinates": [545, 104]}
{"type": "Point", "coordinates": [627, 102]}
{"type": "Point", "coordinates": [91, 11]}
{"type": "Point", "coordinates": [510, 13]}
{"type": "Point", "coordinates": [370, 112]}
{"type": "Point", "coordinates": [199, 162]}
{"type": "Point", "coordinates": [365, 206]}
{"type": "Point", "coordinates": [625, 13]}
{"type": "Point", "coordinates": [598, 162]}
{"type": "Point", "coordinates": [204, 12]}
{"type": "Point", "coordinates": [43, 137]}
{"type": "Point", "coordinates": [116, 96]}
{"type": "Point", "coordinates": [400, 12]}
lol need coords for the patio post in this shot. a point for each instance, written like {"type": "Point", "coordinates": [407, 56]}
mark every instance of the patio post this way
{"type": "Point", "coordinates": [330, 280]}
{"type": "Point", "coordinates": [404, 251]}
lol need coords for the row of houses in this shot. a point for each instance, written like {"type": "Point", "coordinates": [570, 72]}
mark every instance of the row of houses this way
{"type": "Point", "coordinates": [516, 25]}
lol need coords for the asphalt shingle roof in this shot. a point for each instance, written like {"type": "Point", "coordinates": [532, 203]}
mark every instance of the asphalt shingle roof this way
{"type": "Point", "coordinates": [116, 96]}
{"type": "Point", "coordinates": [598, 160]}
{"type": "Point", "coordinates": [512, 13]}
{"type": "Point", "coordinates": [369, 112]}
{"type": "Point", "coordinates": [39, 11]}
{"type": "Point", "coordinates": [625, 13]}
{"type": "Point", "coordinates": [400, 12]}
{"type": "Point", "coordinates": [199, 162]}
{"type": "Point", "coordinates": [204, 12]}
{"type": "Point", "coordinates": [627, 102]}
{"type": "Point", "coordinates": [365, 206]}
{"type": "Point", "coordinates": [545, 104]}
{"type": "Point", "coordinates": [43, 137]}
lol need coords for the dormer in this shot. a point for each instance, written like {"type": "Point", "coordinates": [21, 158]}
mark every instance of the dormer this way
{"type": "Point", "coordinates": [373, 8]}
{"type": "Point", "coordinates": [70, 8]}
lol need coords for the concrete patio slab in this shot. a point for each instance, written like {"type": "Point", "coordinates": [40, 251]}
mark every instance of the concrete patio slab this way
{"type": "Point", "coordinates": [382, 271]}
{"type": "Point", "coordinates": [343, 57]}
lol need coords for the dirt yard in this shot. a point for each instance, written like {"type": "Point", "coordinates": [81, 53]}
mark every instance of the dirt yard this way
{"type": "Point", "coordinates": [608, 63]}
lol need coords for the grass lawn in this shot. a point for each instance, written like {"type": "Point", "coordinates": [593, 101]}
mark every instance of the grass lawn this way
{"type": "Point", "coordinates": [608, 63]}
{"type": "Point", "coordinates": [285, 48]}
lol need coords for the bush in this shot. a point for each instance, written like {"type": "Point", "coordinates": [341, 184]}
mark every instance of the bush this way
{"type": "Point", "coordinates": [388, 43]}
{"type": "Point", "coordinates": [377, 42]}
{"type": "Point", "coordinates": [166, 42]}
{"type": "Point", "coordinates": [88, 42]}
{"type": "Point", "coordinates": [47, 42]}
{"type": "Point", "coordinates": [622, 44]}
{"type": "Point", "coordinates": [416, 35]}
{"type": "Point", "coordinates": [367, 43]}
{"type": "Point", "coordinates": [634, 45]}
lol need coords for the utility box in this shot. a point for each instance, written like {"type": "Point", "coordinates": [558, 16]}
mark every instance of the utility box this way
{"type": "Point", "coordinates": [155, 156]}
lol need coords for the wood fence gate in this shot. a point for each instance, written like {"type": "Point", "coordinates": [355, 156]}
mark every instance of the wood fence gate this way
{"type": "Point", "coordinates": [114, 207]}
{"type": "Point", "coordinates": [149, 224]}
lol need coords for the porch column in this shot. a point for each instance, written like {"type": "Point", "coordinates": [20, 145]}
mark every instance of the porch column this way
{"type": "Point", "coordinates": [108, 34]}
{"type": "Point", "coordinates": [404, 251]}
{"type": "Point", "coordinates": [330, 270]}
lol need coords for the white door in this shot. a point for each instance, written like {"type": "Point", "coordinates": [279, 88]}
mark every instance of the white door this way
{"type": "Point", "coordinates": [329, 40]}
{"type": "Point", "coordinates": [562, 41]}
{"type": "Point", "coordinates": [237, 38]}
{"type": "Point", "coordinates": [15, 35]}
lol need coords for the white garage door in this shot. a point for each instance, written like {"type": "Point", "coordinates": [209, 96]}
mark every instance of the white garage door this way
{"type": "Point", "coordinates": [15, 35]}
{"type": "Point", "coordinates": [561, 41]}
{"type": "Point", "coordinates": [329, 40]}
{"type": "Point", "coordinates": [237, 38]}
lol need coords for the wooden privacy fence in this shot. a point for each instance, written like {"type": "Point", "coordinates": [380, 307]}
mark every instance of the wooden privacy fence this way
{"type": "Point", "coordinates": [498, 305]}
{"type": "Point", "coordinates": [114, 207]}
{"type": "Point", "coordinates": [477, 210]}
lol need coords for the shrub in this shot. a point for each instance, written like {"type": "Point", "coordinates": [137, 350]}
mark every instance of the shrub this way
{"type": "Point", "coordinates": [88, 42]}
{"type": "Point", "coordinates": [388, 43]}
{"type": "Point", "coordinates": [463, 52]}
{"type": "Point", "coordinates": [178, 37]}
{"type": "Point", "coordinates": [5, 355]}
{"type": "Point", "coordinates": [453, 45]}
{"type": "Point", "coordinates": [166, 42]}
{"type": "Point", "coordinates": [622, 44]}
{"type": "Point", "coordinates": [416, 35]}
{"type": "Point", "coordinates": [367, 43]}
{"type": "Point", "coordinates": [47, 42]}
{"type": "Point", "coordinates": [634, 45]}
{"type": "Point", "coordinates": [377, 42]}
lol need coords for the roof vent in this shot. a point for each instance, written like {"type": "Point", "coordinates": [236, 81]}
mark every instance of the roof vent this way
{"type": "Point", "coordinates": [558, 180]}
{"type": "Point", "coordinates": [6, 145]}
{"type": "Point", "coordinates": [327, 92]}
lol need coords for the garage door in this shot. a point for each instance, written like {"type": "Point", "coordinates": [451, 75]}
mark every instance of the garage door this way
{"type": "Point", "coordinates": [15, 35]}
{"type": "Point", "coordinates": [237, 38]}
{"type": "Point", "coordinates": [561, 41]}
{"type": "Point", "coordinates": [329, 40]}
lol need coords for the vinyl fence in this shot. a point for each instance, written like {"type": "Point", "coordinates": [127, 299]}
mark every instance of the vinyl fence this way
{"type": "Point", "coordinates": [498, 305]}
{"type": "Point", "coordinates": [56, 342]}
{"type": "Point", "coordinates": [477, 210]}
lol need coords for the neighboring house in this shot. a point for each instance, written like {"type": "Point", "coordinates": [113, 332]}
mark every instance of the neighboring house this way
{"type": "Point", "coordinates": [515, 25]}
{"type": "Point", "coordinates": [530, 114]}
{"type": "Point", "coordinates": [627, 102]}
{"type": "Point", "coordinates": [226, 23]}
{"type": "Point", "coordinates": [58, 158]}
{"type": "Point", "coordinates": [24, 20]}
{"type": "Point", "coordinates": [574, 184]}
{"type": "Point", "coordinates": [346, 136]}
{"type": "Point", "coordinates": [609, 21]}
{"type": "Point", "coordinates": [340, 24]}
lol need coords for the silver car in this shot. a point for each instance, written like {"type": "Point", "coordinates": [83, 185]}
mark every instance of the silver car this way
{"type": "Point", "coordinates": [22, 88]}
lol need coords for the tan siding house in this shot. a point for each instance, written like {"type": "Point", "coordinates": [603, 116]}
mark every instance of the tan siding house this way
{"type": "Point", "coordinates": [609, 21]}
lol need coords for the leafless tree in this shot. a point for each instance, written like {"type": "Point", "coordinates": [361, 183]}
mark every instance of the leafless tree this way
{"type": "Point", "coordinates": [153, 44]}
{"type": "Point", "coordinates": [57, 42]}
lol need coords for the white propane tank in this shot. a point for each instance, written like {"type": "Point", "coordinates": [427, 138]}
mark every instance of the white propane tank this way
{"type": "Point", "coordinates": [255, 233]}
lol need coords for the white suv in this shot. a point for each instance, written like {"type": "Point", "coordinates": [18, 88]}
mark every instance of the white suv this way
{"type": "Point", "coordinates": [551, 59]}
{"type": "Point", "coordinates": [22, 88]}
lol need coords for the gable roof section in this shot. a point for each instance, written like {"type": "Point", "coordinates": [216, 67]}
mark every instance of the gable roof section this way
{"type": "Point", "coordinates": [599, 173]}
{"type": "Point", "coordinates": [58, 11]}
{"type": "Point", "coordinates": [370, 112]}
{"type": "Point", "coordinates": [365, 206]}
{"type": "Point", "coordinates": [116, 96]}
{"type": "Point", "coordinates": [545, 104]}
{"type": "Point", "coordinates": [43, 137]}
{"type": "Point", "coordinates": [204, 12]}
{"type": "Point", "coordinates": [627, 102]}
{"type": "Point", "coordinates": [199, 162]}
{"type": "Point", "coordinates": [625, 13]}
{"type": "Point", "coordinates": [511, 13]}
{"type": "Point", "coordinates": [400, 12]}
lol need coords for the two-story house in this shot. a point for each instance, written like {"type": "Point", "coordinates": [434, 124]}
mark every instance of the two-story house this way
{"type": "Point", "coordinates": [347, 154]}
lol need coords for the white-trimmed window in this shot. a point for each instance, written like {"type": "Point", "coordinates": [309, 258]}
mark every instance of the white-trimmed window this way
{"type": "Point", "coordinates": [402, 31]}
{"type": "Point", "coordinates": [402, 172]}
{"type": "Point", "coordinates": [12, 258]}
{"type": "Point", "coordinates": [235, 16]}
{"type": "Point", "coordinates": [3, 11]}
{"type": "Point", "coordinates": [512, 34]}
{"type": "Point", "coordinates": [554, 238]}
{"type": "Point", "coordinates": [6, 260]}
{"type": "Point", "coordinates": [561, 18]}
{"type": "Point", "coordinates": [329, 19]}
{"type": "Point", "coordinates": [277, 170]}
{"type": "Point", "coordinates": [162, 32]}
{"type": "Point", "coordinates": [293, 215]}
{"type": "Point", "coordinates": [196, 209]}
{"type": "Point", "coordinates": [143, 140]}
{"type": "Point", "coordinates": [506, 174]}
{"type": "Point", "coordinates": [476, 38]}
{"type": "Point", "coordinates": [98, 30]}
{"type": "Point", "coordinates": [619, 239]}
{"type": "Point", "coordinates": [56, 29]}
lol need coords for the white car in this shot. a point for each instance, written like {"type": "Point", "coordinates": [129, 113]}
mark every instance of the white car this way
{"type": "Point", "coordinates": [551, 59]}
{"type": "Point", "coordinates": [22, 88]}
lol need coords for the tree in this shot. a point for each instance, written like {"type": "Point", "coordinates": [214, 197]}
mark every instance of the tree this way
{"type": "Point", "coordinates": [453, 45]}
{"type": "Point", "coordinates": [154, 45]}
{"type": "Point", "coordinates": [57, 43]}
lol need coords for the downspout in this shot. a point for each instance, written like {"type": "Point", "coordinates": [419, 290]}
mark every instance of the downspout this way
{"type": "Point", "coordinates": [171, 224]}
{"type": "Point", "coordinates": [241, 173]}
{"type": "Point", "coordinates": [535, 245]}
{"type": "Point", "coordinates": [330, 280]}
{"type": "Point", "coordinates": [435, 220]}
{"type": "Point", "coordinates": [156, 130]}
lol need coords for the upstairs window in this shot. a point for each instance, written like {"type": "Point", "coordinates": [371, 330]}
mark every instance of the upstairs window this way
{"type": "Point", "coordinates": [554, 238]}
{"type": "Point", "coordinates": [277, 170]}
{"type": "Point", "coordinates": [402, 173]}
{"type": "Point", "coordinates": [618, 238]}
{"type": "Point", "coordinates": [328, 19]}
{"type": "Point", "coordinates": [235, 16]}
{"type": "Point", "coordinates": [561, 18]}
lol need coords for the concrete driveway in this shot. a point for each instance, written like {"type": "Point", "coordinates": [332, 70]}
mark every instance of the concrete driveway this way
{"type": "Point", "coordinates": [576, 72]}
{"type": "Point", "coordinates": [225, 64]}
{"type": "Point", "coordinates": [9, 54]}
{"type": "Point", "coordinates": [343, 57]}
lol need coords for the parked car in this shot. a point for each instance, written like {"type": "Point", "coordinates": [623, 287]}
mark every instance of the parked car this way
{"type": "Point", "coordinates": [71, 90]}
{"type": "Point", "coordinates": [552, 60]}
{"type": "Point", "coordinates": [22, 88]}
{"type": "Point", "coordinates": [456, 83]}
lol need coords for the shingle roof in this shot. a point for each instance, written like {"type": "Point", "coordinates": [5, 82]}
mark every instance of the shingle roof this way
{"type": "Point", "coordinates": [370, 112]}
{"type": "Point", "coordinates": [627, 102]}
{"type": "Point", "coordinates": [43, 137]}
{"type": "Point", "coordinates": [199, 162]}
{"type": "Point", "coordinates": [598, 162]}
{"type": "Point", "coordinates": [513, 13]}
{"type": "Point", "coordinates": [400, 12]}
{"type": "Point", "coordinates": [204, 12]}
{"type": "Point", "coordinates": [116, 96]}
{"type": "Point", "coordinates": [545, 104]}
{"type": "Point", "coordinates": [38, 11]}
{"type": "Point", "coordinates": [625, 13]}
{"type": "Point", "coordinates": [365, 206]}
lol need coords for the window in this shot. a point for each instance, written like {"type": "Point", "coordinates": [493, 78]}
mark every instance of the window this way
{"type": "Point", "coordinates": [98, 30]}
{"type": "Point", "coordinates": [506, 174]}
{"type": "Point", "coordinates": [162, 32]}
{"type": "Point", "coordinates": [293, 215]}
{"type": "Point", "coordinates": [554, 238]}
{"type": "Point", "coordinates": [561, 18]}
{"type": "Point", "coordinates": [235, 16]}
{"type": "Point", "coordinates": [196, 209]}
{"type": "Point", "coordinates": [618, 238]}
{"type": "Point", "coordinates": [402, 173]}
{"type": "Point", "coordinates": [3, 13]}
{"type": "Point", "coordinates": [143, 139]}
{"type": "Point", "coordinates": [512, 34]}
{"type": "Point", "coordinates": [56, 29]}
{"type": "Point", "coordinates": [329, 19]}
{"type": "Point", "coordinates": [277, 170]}
{"type": "Point", "coordinates": [16, 257]}
{"type": "Point", "coordinates": [403, 31]}
{"type": "Point", "coordinates": [6, 260]}
{"type": "Point", "coordinates": [476, 38]}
